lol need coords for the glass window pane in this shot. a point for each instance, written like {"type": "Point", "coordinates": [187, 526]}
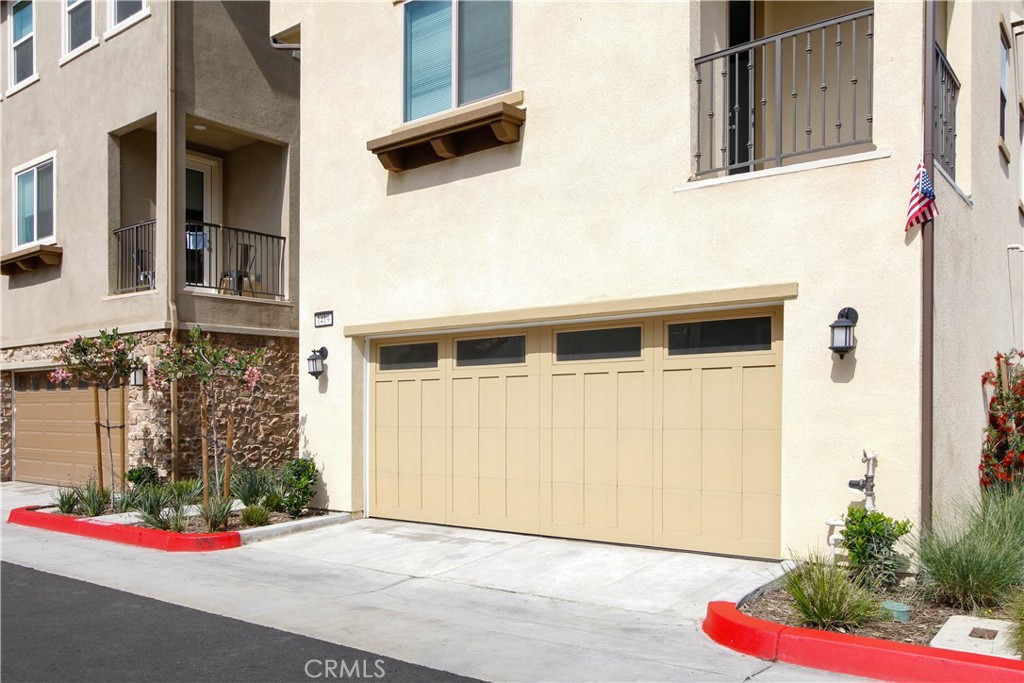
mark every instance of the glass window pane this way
{"type": "Point", "coordinates": [408, 356]}
{"type": "Point", "coordinates": [44, 201]}
{"type": "Point", "coordinates": [26, 191]}
{"type": "Point", "coordinates": [79, 25]}
{"type": "Point", "coordinates": [195, 195]}
{"type": "Point", "coordinates": [720, 336]}
{"type": "Point", "coordinates": [620, 342]}
{"type": "Point", "coordinates": [23, 66]}
{"type": "Point", "coordinates": [485, 55]}
{"type": "Point", "coordinates": [428, 58]}
{"type": "Point", "coordinates": [22, 17]}
{"type": "Point", "coordinates": [126, 8]}
{"type": "Point", "coordinates": [491, 351]}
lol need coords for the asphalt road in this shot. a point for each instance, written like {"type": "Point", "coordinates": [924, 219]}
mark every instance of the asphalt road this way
{"type": "Point", "coordinates": [57, 629]}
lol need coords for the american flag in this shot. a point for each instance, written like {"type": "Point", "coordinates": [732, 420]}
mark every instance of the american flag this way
{"type": "Point", "coordinates": [922, 199]}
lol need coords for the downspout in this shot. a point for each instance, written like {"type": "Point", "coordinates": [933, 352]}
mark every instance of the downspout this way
{"type": "Point", "coordinates": [928, 279]}
{"type": "Point", "coordinates": [172, 253]}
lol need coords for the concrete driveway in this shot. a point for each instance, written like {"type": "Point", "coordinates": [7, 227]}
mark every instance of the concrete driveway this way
{"type": "Point", "coordinates": [490, 605]}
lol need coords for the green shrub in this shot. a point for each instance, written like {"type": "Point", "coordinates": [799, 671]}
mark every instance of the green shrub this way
{"type": "Point", "coordinates": [67, 500]}
{"type": "Point", "coordinates": [186, 492]}
{"type": "Point", "coordinates": [250, 485]}
{"type": "Point", "coordinates": [216, 512]}
{"type": "Point", "coordinates": [173, 518]}
{"type": "Point", "coordinates": [274, 500]}
{"type": "Point", "coordinates": [299, 477]}
{"type": "Point", "coordinates": [827, 595]}
{"type": "Point", "coordinates": [974, 554]}
{"type": "Point", "coordinates": [123, 502]}
{"type": "Point", "coordinates": [93, 500]}
{"type": "Point", "coordinates": [255, 515]}
{"type": "Point", "coordinates": [150, 500]}
{"type": "Point", "coordinates": [142, 475]}
{"type": "Point", "coordinates": [869, 539]}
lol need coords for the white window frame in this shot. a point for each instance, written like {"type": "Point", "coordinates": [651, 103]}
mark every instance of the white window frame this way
{"type": "Point", "coordinates": [126, 23]}
{"type": "Point", "coordinates": [65, 32]}
{"type": "Point", "coordinates": [455, 63]}
{"type": "Point", "coordinates": [25, 82]}
{"type": "Point", "coordinates": [17, 171]}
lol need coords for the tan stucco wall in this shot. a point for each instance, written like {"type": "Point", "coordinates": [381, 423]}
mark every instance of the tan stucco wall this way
{"type": "Point", "coordinates": [137, 177]}
{"type": "Point", "coordinates": [978, 294]}
{"type": "Point", "coordinates": [73, 109]}
{"type": "Point", "coordinates": [583, 209]}
{"type": "Point", "coordinates": [109, 173]}
{"type": "Point", "coordinates": [223, 59]}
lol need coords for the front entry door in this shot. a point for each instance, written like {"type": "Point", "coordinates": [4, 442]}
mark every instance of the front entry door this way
{"type": "Point", "coordinates": [201, 207]}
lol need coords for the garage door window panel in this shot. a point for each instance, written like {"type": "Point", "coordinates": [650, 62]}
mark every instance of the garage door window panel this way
{"type": "Point", "coordinates": [602, 344]}
{"type": "Point", "coordinates": [491, 351]}
{"type": "Point", "coordinates": [720, 336]}
{"type": "Point", "coordinates": [408, 356]}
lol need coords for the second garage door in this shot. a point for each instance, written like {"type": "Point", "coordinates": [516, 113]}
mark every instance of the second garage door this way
{"type": "Point", "coordinates": [55, 430]}
{"type": "Point", "coordinates": [662, 431]}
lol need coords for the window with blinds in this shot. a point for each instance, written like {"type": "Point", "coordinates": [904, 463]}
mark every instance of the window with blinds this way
{"type": "Point", "coordinates": [455, 55]}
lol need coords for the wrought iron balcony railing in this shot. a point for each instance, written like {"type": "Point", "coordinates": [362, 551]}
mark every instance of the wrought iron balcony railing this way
{"type": "Point", "coordinates": [134, 250]}
{"type": "Point", "coordinates": [947, 89]}
{"type": "Point", "coordinates": [803, 92]}
{"type": "Point", "coordinates": [234, 261]}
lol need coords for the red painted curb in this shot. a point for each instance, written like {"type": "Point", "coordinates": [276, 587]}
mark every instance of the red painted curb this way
{"type": "Point", "coordinates": [156, 539]}
{"type": "Point", "coordinates": [856, 655]}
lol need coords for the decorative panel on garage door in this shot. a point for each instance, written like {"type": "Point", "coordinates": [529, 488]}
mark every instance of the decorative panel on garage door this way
{"type": "Point", "coordinates": [408, 432]}
{"type": "Point", "coordinates": [601, 439]}
{"type": "Point", "coordinates": [495, 437]}
{"type": "Point", "coordinates": [663, 431]}
{"type": "Point", "coordinates": [55, 431]}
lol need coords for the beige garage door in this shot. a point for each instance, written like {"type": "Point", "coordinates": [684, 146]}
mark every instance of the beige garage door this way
{"type": "Point", "coordinates": [661, 431]}
{"type": "Point", "coordinates": [54, 430]}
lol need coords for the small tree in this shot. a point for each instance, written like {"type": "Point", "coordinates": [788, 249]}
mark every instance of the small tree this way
{"type": "Point", "coordinates": [200, 359]}
{"type": "Point", "coordinates": [1002, 453]}
{"type": "Point", "coordinates": [102, 362]}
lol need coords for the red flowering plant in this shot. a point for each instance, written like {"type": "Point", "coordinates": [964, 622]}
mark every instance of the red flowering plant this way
{"type": "Point", "coordinates": [210, 365]}
{"type": "Point", "coordinates": [1002, 453]}
{"type": "Point", "coordinates": [103, 362]}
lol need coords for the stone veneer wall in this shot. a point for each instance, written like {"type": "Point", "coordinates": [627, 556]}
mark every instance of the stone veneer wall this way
{"type": "Point", "coordinates": [266, 421]}
{"type": "Point", "coordinates": [6, 424]}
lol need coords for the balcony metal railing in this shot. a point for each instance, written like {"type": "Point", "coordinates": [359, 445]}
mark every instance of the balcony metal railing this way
{"type": "Point", "coordinates": [947, 89]}
{"type": "Point", "coordinates": [136, 265]}
{"type": "Point", "coordinates": [234, 261]}
{"type": "Point", "coordinates": [824, 70]}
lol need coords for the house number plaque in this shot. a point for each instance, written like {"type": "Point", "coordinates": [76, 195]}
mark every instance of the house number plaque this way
{"type": "Point", "coordinates": [323, 319]}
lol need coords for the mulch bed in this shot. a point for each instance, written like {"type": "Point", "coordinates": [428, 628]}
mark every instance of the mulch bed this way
{"type": "Point", "coordinates": [196, 525]}
{"type": "Point", "coordinates": [926, 618]}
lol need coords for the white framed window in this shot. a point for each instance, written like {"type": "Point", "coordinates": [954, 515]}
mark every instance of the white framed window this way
{"type": "Point", "coordinates": [23, 43]}
{"type": "Point", "coordinates": [456, 52]}
{"type": "Point", "coordinates": [123, 10]}
{"type": "Point", "coordinates": [78, 25]}
{"type": "Point", "coordinates": [34, 201]}
{"type": "Point", "coordinates": [123, 14]}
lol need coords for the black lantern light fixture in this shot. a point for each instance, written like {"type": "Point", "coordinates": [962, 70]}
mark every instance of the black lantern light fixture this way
{"type": "Point", "coordinates": [316, 361]}
{"type": "Point", "coordinates": [841, 332]}
{"type": "Point", "coordinates": [138, 377]}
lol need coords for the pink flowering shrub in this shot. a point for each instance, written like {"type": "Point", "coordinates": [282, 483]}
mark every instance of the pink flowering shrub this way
{"type": "Point", "coordinates": [211, 367]}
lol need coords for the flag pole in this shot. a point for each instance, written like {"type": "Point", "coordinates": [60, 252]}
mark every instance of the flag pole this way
{"type": "Point", "coordinates": [928, 278]}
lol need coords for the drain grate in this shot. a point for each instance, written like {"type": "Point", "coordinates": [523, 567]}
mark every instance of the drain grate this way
{"type": "Point", "coordinates": [983, 633]}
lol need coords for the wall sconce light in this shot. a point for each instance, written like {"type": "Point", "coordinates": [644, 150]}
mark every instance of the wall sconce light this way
{"type": "Point", "coordinates": [138, 377]}
{"type": "Point", "coordinates": [842, 332]}
{"type": "Point", "coordinates": [316, 361]}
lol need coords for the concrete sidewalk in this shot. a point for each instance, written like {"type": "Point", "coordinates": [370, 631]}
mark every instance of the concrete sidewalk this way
{"type": "Point", "coordinates": [489, 605]}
